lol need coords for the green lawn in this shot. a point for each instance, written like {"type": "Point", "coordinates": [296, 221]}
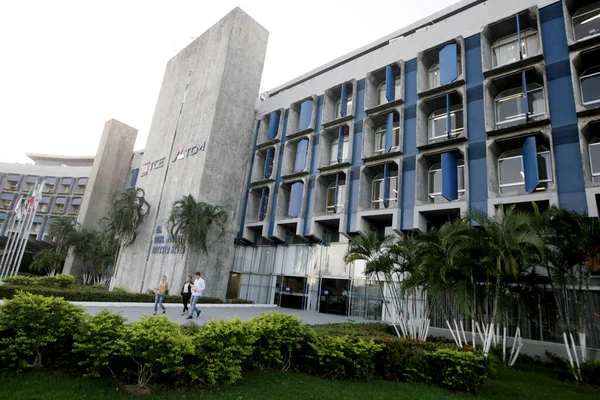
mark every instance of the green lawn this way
{"type": "Point", "coordinates": [507, 384]}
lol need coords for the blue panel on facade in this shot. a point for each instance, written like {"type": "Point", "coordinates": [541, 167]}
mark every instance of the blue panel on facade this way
{"type": "Point", "coordinates": [344, 100]}
{"type": "Point", "coordinates": [313, 165]}
{"type": "Point", "coordinates": [301, 153]}
{"type": "Point", "coordinates": [134, 177]}
{"type": "Point", "coordinates": [273, 125]}
{"type": "Point", "coordinates": [51, 181]}
{"type": "Point", "coordinates": [448, 65]}
{"type": "Point", "coordinates": [530, 164]}
{"type": "Point", "coordinates": [449, 177]}
{"type": "Point", "coordinates": [389, 132]}
{"type": "Point", "coordinates": [76, 201]}
{"type": "Point", "coordinates": [261, 205]}
{"type": "Point", "coordinates": [386, 185]}
{"type": "Point", "coordinates": [390, 84]}
{"type": "Point", "coordinates": [6, 196]}
{"type": "Point", "coordinates": [340, 149]}
{"type": "Point", "coordinates": [275, 193]}
{"type": "Point", "coordinates": [305, 119]}
{"type": "Point", "coordinates": [269, 157]}
{"type": "Point", "coordinates": [519, 36]}
{"type": "Point", "coordinates": [66, 181]}
{"type": "Point", "coordinates": [525, 95]}
{"type": "Point", "coordinates": [32, 179]}
{"type": "Point", "coordinates": [60, 200]}
{"type": "Point", "coordinates": [37, 219]}
{"type": "Point", "coordinates": [295, 205]}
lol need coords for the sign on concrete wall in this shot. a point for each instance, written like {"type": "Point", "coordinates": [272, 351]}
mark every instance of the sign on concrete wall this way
{"type": "Point", "coordinates": [181, 154]}
{"type": "Point", "coordinates": [162, 243]}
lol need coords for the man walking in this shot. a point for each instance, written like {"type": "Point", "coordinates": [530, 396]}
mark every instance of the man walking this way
{"type": "Point", "coordinates": [197, 290]}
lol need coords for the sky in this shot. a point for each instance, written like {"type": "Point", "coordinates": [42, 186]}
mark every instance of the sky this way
{"type": "Point", "coordinates": [66, 67]}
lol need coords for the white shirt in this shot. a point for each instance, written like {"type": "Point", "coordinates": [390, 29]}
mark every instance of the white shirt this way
{"type": "Point", "coordinates": [199, 287]}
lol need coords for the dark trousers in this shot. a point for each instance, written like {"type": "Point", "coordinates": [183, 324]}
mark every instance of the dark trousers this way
{"type": "Point", "coordinates": [185, 298]}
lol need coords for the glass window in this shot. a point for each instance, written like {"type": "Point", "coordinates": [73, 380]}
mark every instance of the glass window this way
{"type": "Point", "coordinates": [377, 193]}
{"type": "Point", "coordinates": [381, 99]}
{"type": "Point", "coordinates": [331, 201]}
{"type": "Point", "coordinates": [333, 154]}
{"type": "Point", "coordinates": [379, 145]}
{"type": "Point", "coordinates": [586, 21]}
{"type": "Point", "coordinates": [338, 106]}
{"type": "Point", "coordinates": [590, 86]}
{"type": "Point", "coordinates": [595, 159]}
{"type": "Point", "coordinates": [434, 74]}
{"type": "Point", "coordinates": [435, 182]}
{"type": "Point", "coordinates": [511, 175]}
{"type": "Point", "coordinates": [510, 104]}
{"type": "Point", "coordinates": [437, 123]}
{"type": "Point", "coordinates": [265, 206]}
{"type": "Point", "coordinates": [506, 50]}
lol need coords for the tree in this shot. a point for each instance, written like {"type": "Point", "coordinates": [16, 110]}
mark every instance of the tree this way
{"type": "Point", "coordinates": [47, 261]}
{"type": "Point", "coordinates": [128, 210]}
{"type": "Point", "coordinates": [192, 224]}
{"type": "Point", "coordinates": [96, 251]}
{"type": "Point", "coordinates": [61, 230]}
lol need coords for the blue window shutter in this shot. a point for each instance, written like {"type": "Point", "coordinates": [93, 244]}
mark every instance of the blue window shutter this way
{"type": "Point", "coordinates": [301, 152]}
{"type": "Point", "coordinates": [448, 117]}
{"type": "Point", "coordinates": [389, 132]}
{"type": "Point", "coordinates": [269, 162]}
{"type": "Point", "coordinates": [134, 177]}
{"type": "Point", "coordinates": [525, 96]}
{"type": "Point", "coordinates": [386, 185]}
{"type": "Point", "coordinates": [449, 177]}
{"type": "Point", "coordinates": [519, 37]}
{"type": "Point", "coordinates": [390, 84]}
{"type": "Point", "coordinates": [340, 155]}
{"type": "Point", "coordinates": [273, 125]}
{"type": "Point", "coordinates": [344, 100]}
{"type": "Point", "coordinates": [337, 191]}
{"type": "Point", "coordinates": [448, 65]}
{"type": "Point", "coordinates": [295, 199]}
{"type": "Point", "coordinates": [530, 164]}
{"type": "Point", "coordinates": [305, 114]}
{"type": "Point", "coordinates": [261, 206]}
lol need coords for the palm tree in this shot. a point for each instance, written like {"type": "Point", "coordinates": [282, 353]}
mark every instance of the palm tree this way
{"type": "Point", "coordinates": [96, 253]}
{"type": "Point", "coordinates": [192, 224]}
{"type": "Point", "coordinates": [61, 230]}
{"type": "Point", "coordinates": [128, 210]}
{"type": "Point", "coordinates": [47, 261]}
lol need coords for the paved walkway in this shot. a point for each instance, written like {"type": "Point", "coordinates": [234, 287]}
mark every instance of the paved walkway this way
{"type": "Point", "coordinates": [134, 313]}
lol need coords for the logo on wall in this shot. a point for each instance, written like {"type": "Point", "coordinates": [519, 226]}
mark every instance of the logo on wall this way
{"type": "Point", "coordinates": [151, 166]}
{"type": "Point", "coordinates": [192, 151]}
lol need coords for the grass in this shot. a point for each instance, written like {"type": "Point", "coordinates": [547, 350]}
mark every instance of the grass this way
{"type": "Point", "coordinates": [527, 383]}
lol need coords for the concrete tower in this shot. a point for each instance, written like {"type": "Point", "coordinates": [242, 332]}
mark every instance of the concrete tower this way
{"type": "Point", "coordinates": [200, 144]}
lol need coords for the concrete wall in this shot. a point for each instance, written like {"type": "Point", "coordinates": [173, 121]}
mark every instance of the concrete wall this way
{"type": "Point", "coordinates": [205, 107]}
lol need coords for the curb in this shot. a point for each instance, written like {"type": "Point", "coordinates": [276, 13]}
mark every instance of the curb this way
{"type": "Point", "coordinates": [168, 305]}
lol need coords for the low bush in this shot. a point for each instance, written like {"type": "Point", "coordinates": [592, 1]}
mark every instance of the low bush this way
{"type": "Point", "coordinates": [279, 336]}
{"type": "Point", "coordinates": [101, 339]}
{"type": "Point", "coordinates": [458, 370]}
{"type": "Point", "coordinates": [43, 281]}
{"type": "Point", "coordinates": [221, 347]}
{"type": "Point", "coordinates": [37, 331]}
{"type": "Point", "coordinates": [590, 372]}
{"type": "Point", "coordinates": [405, 360]}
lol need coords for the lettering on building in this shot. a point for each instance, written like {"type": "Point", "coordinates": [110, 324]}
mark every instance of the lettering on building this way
{"type": "Point", "coordinates": [192, 151]}
{"type": "Point", "coordinates": [163, 244]}
{"type": "Point", "coordinates": [151, 166]}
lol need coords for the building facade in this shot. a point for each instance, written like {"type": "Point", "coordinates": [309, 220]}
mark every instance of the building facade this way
{"type": "Point", "coordinates": [484, 104]}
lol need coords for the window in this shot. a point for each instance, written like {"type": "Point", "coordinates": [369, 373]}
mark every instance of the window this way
{"type": "Point", "coordinates": [48, 188]}
{"type": "Point", "coordinates": [338, 106]}
{"type": "Point", "coordinates": [438, 120]}
{"type": "Point", "coordinates": [594, 148]}
{"type": "Point", "coordinates": [590, 86]}
{"type": "Point", "coordinates": [511, 175]}
{"type": "Point", "coordinates": [381, 99]}
{"type": "Point", "coordinates": [434, 74]}
{"type": "Point", "coordinates": [262, 214]}
{"type": "Point", "coordinates": [586, 22]}
{"type": "Point", "coordinates": [58, 209]}
{"type": "Point", "coordinates": [377, 193]}
{"type": "Point", "coordinates": [506, 50]}
{"type": "Point", "coordinates": [6, 203]}
{"type": "Point", "coordinates": [379, 146]}
{"type": "Point", "coordinates": [43, 208]}
{"type": "Point", "coordinates": [510, 104]}
{"type": "Point", "coordinates": [435, 182]}
{"type": "Point", "coordinates": [333, 206]}
{"type": "Point", "coordinates": [80, 189]}
{"type": "Point", "coordinates": [333, 154]}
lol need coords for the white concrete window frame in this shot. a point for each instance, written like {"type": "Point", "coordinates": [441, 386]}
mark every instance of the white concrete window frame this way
{"type": "Point", "coordinates": [381, 99]}
{"type": "Point", "coordinates": [435, 193]}
{"type": "Point", "coordinates": [594, 150]}
{"type": "Point", "coordinates": [536, 108]}
{"type": "Point", "coordinates": [589, 74]}
{"type": "Point", "coordinates": [379, 137]}
{"type": "Point", "coordinates": [456, 115]}
{"type": "Point", "coordinates": [585, 15]}
{"type": "Point", "coordinates": [377, 190]}
{"type": "Point", "coordinates": [511, 156]}
{"type": "Point", "coordinates": [506, 50]}
{"type": "Point", "coordinates": [333, 151]}
{"type": "Point", "coordinates": [333, 208]}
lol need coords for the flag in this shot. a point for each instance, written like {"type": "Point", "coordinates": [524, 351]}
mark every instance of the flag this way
{"type": "Point", "coordinates": [30, 200]}
{"type": "Point", "coordinates": [19, 209]}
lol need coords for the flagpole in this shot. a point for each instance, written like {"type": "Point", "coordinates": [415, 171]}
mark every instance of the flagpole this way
{"type": "Point", "coordinates": [18, 228]}
{"type": "Point", "coordinates": [37, 193]}
{"type": "Point", "coordinates": [16, 247]}
{"type": "Point", "coordinates": [24, 240]}
{"type": "Point", "coordinates": [12, 238]}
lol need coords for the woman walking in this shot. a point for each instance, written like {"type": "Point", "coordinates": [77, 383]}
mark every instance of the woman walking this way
{"type": "Point", "coordinates": [161, 291]}
{"type": "Point", "coordinates": [186, 293]}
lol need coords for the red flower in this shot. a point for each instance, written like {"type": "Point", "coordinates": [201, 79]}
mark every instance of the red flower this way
{"type": "Point", "coordinates": [388, 339]}
{"type": "Point", "coordinates": [420, 341]}
{"type": "Point", "coordinates": [474, 374]}
{"type": "Point", "coordinates": [179, 372]}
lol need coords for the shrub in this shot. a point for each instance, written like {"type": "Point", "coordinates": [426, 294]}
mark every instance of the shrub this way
{"type": "Point", "coordinates": [340, 357]}
{"type": "Point", "coordinates": [20, 280]}
{"type": "Point", "coordinates": [238, 301]}
{"type": "Point", "coordinates": [352, 329]}
{"type": "Point", "coordinates": [222, 346]}
{"type": "Point", "coordinates": [458, 370]}
{"type": "Point", "coordinates": [157, 347]}
{"type": "Point", "coordinates": [279, 335]}
{"type": "Point", "coordinates": [590, 372]}
{"type": "Point", "coordinates": [405, 360]}
{"type": "Point", "coordinates": [100, 341]}
{"type": "Point", "coordinates": [43, 281]}
{"type": "Point", "coordinates": [37, 330]}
